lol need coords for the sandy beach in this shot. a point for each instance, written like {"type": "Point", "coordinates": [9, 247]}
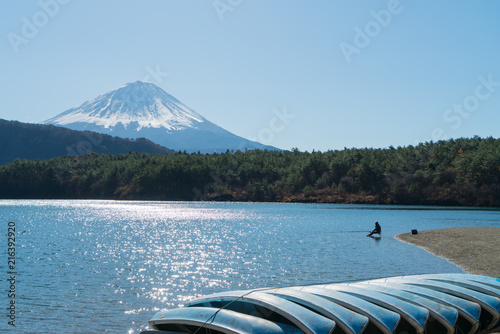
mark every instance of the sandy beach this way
{"type": "Point", "coordinates": [475, 249]}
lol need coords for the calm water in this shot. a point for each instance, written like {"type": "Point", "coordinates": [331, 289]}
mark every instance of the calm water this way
{"type": "Point", "coordinates": [106, 266]}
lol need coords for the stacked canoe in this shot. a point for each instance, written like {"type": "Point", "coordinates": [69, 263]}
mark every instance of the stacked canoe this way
{"type": "Point", "coordinates": [434, 303]}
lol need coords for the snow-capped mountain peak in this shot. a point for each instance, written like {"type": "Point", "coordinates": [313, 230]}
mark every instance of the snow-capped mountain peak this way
{"type": "Point", "coordinates": [140, 109]}
{"type": "Point", "coordinates": [144, 103]}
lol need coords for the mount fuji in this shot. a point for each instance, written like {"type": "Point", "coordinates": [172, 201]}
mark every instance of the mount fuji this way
{"type": "Point", "coordinates": [142, 109]}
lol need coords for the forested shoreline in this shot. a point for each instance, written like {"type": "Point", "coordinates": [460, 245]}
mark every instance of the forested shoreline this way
{"type": "Point", "coordinates": [463, 172]}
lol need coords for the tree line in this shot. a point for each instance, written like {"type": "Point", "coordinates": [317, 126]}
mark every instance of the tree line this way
{"type": "Point", "coordinates": [463, 172]}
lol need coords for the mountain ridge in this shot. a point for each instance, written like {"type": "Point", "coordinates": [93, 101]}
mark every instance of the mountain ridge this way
{"type": "Point", "coordinates": [37, 141]}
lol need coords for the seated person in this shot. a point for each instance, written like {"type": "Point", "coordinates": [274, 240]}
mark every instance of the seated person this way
{"type": "Point", "coordinates": [376, 230]}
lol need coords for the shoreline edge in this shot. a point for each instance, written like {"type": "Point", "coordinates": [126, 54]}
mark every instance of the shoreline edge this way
{"type": "Point", "coordinates": [476, 250]}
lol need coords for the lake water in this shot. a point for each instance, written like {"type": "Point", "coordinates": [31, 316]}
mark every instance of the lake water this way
{"type": "Point", "coordinates": [108, 266]}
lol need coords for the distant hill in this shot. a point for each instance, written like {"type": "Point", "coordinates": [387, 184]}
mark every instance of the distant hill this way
{"type": "Point", "coordinates": [35, 141]}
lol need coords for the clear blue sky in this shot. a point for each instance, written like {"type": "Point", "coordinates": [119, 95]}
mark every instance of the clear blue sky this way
{"type": "Point", "coordinates": [352, 73]}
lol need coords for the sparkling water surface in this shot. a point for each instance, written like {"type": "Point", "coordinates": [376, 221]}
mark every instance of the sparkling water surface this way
{"type": "Point", "coordinates": [108, 266]}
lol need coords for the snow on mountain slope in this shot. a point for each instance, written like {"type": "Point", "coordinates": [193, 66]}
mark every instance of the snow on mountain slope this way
{"type": "Point", "coordinates": [142, 109]}
{"type": "Point", "coordinates": [140, 102]}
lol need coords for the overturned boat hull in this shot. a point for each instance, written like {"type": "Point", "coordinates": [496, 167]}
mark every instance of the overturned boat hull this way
{"type": "Point", "coordinates": [417, 304]}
